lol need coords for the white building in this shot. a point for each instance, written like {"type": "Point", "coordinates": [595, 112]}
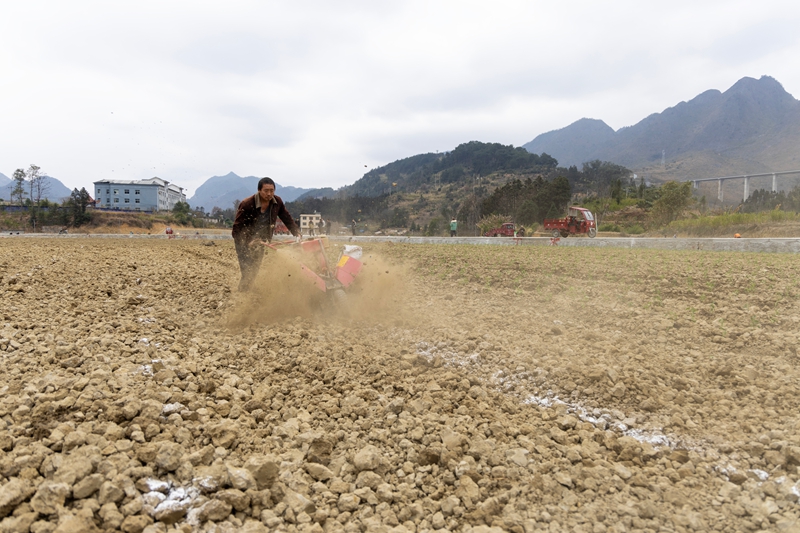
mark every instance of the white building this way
{"type": "Point", "coordinates": [308, 222]}
{"type": "Point", "coordinates": [152, 194]}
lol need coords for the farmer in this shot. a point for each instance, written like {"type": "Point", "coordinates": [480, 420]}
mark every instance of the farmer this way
{"type": "Point", "coordinates": [253, 227]}
{"type": "Point", "coordinates": [353, 226]}
{"type": "Point", "coordinates": [453, 227]}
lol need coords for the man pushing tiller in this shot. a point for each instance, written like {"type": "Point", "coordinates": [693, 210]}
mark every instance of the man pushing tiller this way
{"type": "Point", "coordinates": [253, 228]}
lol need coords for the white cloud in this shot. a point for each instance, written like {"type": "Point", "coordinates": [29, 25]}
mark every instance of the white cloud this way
{"type": "Point", "coordinates": [309, 92]}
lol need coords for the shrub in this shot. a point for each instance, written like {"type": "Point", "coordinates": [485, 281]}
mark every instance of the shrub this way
{"type": "Point", "coordinates": [636, 229]}
{"type": "Point", "coordinates": [608, 227]}
{"type": "Point", "coordinates": [434, 228]}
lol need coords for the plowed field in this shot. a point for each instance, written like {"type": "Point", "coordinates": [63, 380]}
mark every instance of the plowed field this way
{"type": "Point", "coordinates": [465, 388]}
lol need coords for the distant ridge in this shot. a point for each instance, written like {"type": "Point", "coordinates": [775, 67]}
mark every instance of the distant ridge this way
{"type": "Point", "coordinates": [56, 191]}
{"type": "Point", "coordinates": [326, 192]}
{"type": "Point", "coordinates": [222, 191]}
{"type": "Point", "coordinates": [753, 126]}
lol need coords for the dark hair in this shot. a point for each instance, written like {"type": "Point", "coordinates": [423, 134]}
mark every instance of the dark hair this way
{"type": "Point", "coordinates": [265, 181]}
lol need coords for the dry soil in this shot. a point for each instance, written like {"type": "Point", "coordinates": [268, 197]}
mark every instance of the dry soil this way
{"type": "Point", "coordinates": [465, 388]}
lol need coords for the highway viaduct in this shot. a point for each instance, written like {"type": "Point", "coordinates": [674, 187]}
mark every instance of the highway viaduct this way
{"type": "Point", "coordinates": [746, 178]}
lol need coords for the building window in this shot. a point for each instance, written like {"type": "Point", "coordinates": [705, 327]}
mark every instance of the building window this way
{"type": "Point", "coordinates": [127, 191]}
{"type": "Point", "coordinates": [127, 200]}
{"type": "Point", "coordinates": [116, 191]}
{"type": "Point", "coordinates": [108, 200]}
{"type": "Point", "coordinates": [136, 191]}
{"type": "Point", "coordinates": [99, 192]}
{"type": "Point", "coordinates": [137, 200]}
{"type": "Point", "coordinates": [116, 200]}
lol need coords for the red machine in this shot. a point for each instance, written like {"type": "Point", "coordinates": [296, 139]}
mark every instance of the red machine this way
{"type": "Point", "coordinates": [314, 264]}
{"type": "Point", "coordinates": [506, 230]}
{"type": "Point", "coordinates": [280, 228]}
{"type": "Point", "coordinates": [577, 221]}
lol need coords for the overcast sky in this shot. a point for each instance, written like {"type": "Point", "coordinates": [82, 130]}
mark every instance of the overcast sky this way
{"type": "Point", "coordinates": [310, 92]}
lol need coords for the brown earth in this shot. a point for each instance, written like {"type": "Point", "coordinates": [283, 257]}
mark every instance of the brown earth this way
{"type": "Point", "coordinates": [467, 388]}
{"type": "Point", "coordinates": [750, 231]}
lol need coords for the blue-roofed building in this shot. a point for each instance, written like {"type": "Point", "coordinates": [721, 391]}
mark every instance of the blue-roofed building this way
{"type": "Point", "coordinates": [152, 194]}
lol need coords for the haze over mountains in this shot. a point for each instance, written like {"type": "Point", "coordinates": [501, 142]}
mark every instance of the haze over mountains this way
{"type": "Point", "coordinates": [56, 191]}
{"type": "Point", "coordinates": [222, 191]}
{"type": "Point", "coordinates": [752, 127]}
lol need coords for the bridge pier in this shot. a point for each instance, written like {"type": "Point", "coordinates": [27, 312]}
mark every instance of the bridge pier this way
{"type": "Point", "coordinates": [746, 192]}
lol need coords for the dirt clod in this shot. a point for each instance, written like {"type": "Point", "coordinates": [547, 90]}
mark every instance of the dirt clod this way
{"type": "Point", "coordinates": [462, 391]}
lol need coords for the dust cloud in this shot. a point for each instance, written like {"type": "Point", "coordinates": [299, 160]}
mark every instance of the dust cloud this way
{"type": "Point", "coordinates": [282, 292]}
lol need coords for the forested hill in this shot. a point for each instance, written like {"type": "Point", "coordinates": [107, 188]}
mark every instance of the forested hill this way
{"type": "Point", "coordinates": [462, 164]}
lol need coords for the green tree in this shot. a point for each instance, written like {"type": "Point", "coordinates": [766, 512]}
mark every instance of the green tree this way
{"type": "Point", "coordinates": [616, 190]}
{"type": "Point", "coordinates": [38, 184]}
{"type": "Point", "coordinates": [77, 203]}
{"type": "Point", "coordinates": [530, 201]}
{"type": "Point", "coordinates": [598, 176]}
{"type": "Point", "coordinates": [434, 227]}
{"type": "Point", "coordinates": [674, 199]}
{"type": "Point", "coordinates": [38, 188]}
{"type": "Point", "coordinates": [399, 218]}
{"type": "Point", "coordinates": [18, 191]}
{"type": "Point", "coordinates": [557, 196]}
{"type": "Point", "coordinates": [182, 213]}
{"type": "Point", "coordinates": [181, 208]}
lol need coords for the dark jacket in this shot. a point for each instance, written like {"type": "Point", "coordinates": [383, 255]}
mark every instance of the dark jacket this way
{"type": "Point", "coordinates": [244, 225]}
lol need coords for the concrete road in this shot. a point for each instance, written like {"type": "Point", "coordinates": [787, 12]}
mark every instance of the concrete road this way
{"type": "Point", "coordinates": [777, 245]}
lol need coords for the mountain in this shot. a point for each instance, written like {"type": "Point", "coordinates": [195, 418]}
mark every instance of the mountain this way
{"type": "Point", "coordinates": [4, 180]}
{"type": "Point", "coordinates": [326, 192]}
{"type": "Point", "coordinates": [222, 191]}
{"type": "Point", "coordinates": [56, 191]}
{"type": "Point", "coordinates": [752, 127]}
{"type": "Point", "coordinates": [462, 165]}
{"type": "Point", "coordinates": [571, 144]}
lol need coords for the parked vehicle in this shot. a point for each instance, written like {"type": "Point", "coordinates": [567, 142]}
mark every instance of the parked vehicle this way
{"type": "Point", "coordinates": [577, 221]}
{"type": "Point", "coordinates": [506, 230]}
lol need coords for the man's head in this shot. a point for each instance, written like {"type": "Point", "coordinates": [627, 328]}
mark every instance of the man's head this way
{"type": "Point", "coordinates": [266, 189]}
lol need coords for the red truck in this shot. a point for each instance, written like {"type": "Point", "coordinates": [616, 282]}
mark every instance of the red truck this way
{"type": "Point", "coordinates": [577, 221]}
{"type": "Point", "coordinates": [506, 230]}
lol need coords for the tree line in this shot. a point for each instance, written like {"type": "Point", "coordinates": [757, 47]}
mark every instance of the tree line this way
{"type": "Point", "coordinates": [763, 200]}
{"type": "Point", "coordinates": [30, 188]}
{"type": "Point", "coordinates": [29, 184]}
{"type": "Point", "coordinates": [344, 210]}
{"type": "Point", "coordinates": [529, 201]}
